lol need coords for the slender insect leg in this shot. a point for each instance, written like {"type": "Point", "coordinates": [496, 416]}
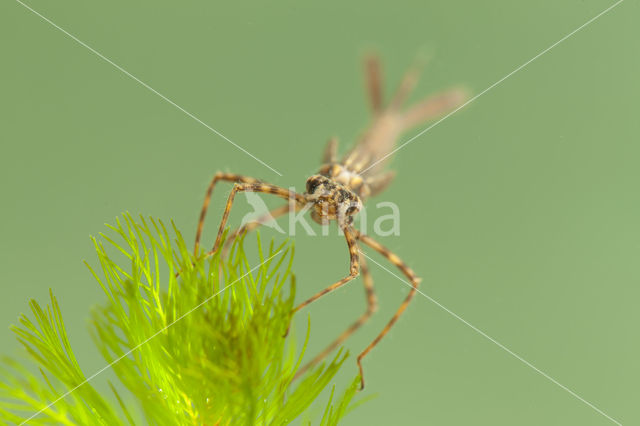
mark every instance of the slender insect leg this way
{"type": "Point", "coordinates": [273, 214]}
{"type": "Point", "coordinates": [253, 187]}
{"type": "Point", "coordinates": [433, 107]}
{"type": "Point", "coordinates": [227, 177]}
{"type": "Point", "coordinates": [374, 86]}
{"type": "Point", "coordinates": [372, 307]}
{"type": "Point", "coordinates": [407, 85]}
{"type": "Point", "coordinates": [249, 227]}
{"type": "Point", "coordinates": [354, 267]}
{"type": "Point", "coordinates": [330, 151]}
{"type": "Point", "coordinates": [379, 182]}
{"type": "Point", "coordinates": [408, 272]}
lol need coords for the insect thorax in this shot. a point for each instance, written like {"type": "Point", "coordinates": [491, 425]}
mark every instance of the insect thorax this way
{"type": "Point", "coordinates": [342, 175]}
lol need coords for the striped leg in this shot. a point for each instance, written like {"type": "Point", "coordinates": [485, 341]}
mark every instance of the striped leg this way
{"type": "Point", "coordinates": [227, 177]}
{"type": "Point", "coordinates": [273, 214]}
{"type": "Point", "coordinates": [408, 272]}
{"type": "Point", "coordinates": [265, 188]}
{"type": "Point", "coordinates": [372, 306]}
{"type": "Point", "coordinates": [354, 267]}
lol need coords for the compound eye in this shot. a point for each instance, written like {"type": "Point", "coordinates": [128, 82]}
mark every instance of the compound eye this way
{"type": "Point", "coordinates": [312, 185]}
{"type": "Point", "coordinates": [351, 210]}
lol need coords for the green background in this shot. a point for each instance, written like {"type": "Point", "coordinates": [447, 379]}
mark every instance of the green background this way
{"type": "Point", "coordinates": [520, 212]}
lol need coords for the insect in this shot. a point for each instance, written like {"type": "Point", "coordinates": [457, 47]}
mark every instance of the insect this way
{"type": "Point", "coordinates": [338, 190]}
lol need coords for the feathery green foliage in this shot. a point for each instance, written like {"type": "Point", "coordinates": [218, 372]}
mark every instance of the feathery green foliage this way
{"type": "Point", "coordinates": [203, 347]}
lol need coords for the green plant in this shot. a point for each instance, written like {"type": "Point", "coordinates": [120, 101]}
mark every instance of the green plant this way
{"type": "Point", "coordinates": [203, 347]}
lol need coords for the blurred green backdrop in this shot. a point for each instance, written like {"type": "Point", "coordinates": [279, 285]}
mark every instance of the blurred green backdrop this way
{"type": "Point", "coordinates": [521, 212]}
